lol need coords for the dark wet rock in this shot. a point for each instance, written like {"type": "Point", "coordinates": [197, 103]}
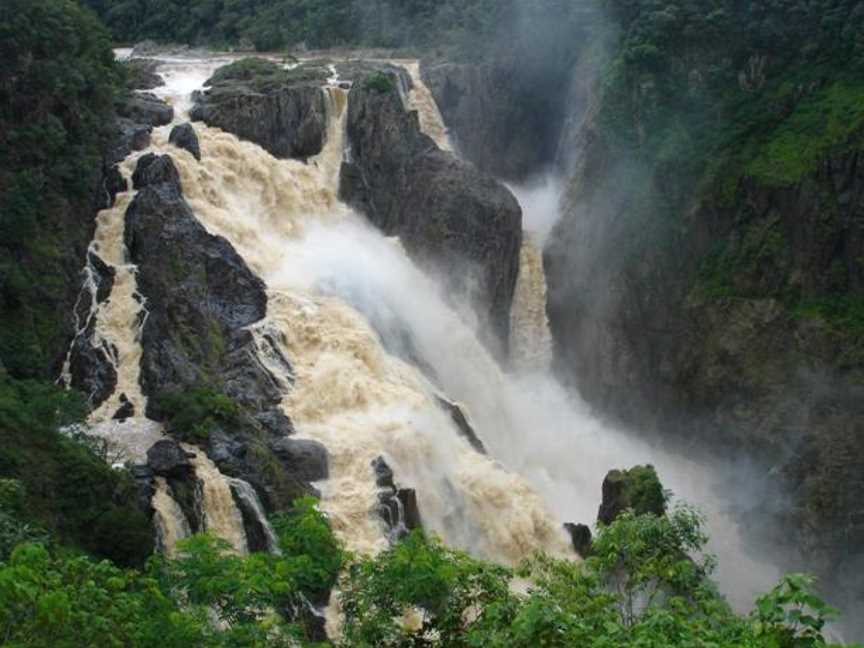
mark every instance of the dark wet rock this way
{"type": "Point", "coordinates": [91, 370]}
{"type": "Point", "coordinates": [141, 74]}
{"type": "Point", "coordinates": [184, 136]}
{"type": "Point", "coordinates": [143, 476]}
{"type": "Point", "coordinates": [201, 299]}
{"type": "Point", "coordinates": [126, 409]}
{"type": "Point", "coordinates": [462, 425]}
{"type": "Point", "coordinates": [580, 537]}
{"type": "Point", "coordinates": [155, 169]}
{"type": "Point", "coordinates": [305, 459]}
{"type": "Point", "coordinates": [114, 183]}
{"type": "Point", "coordinates": [410, 508]}
{"type": "Point", "coordinates": [167, 458]}
{"type": "Point", "coordinates": [285, 112]}
{"type": "Point", "coordinates": [504, 115]}
{"type": "Point", "coordinates": [256, 534]}
{"type": "Point", "coordinates": [451, 218]}
{"type": "Point", "coordinates": [383, 473]}
{"type": "Point", "coordinates": [200, 296]}
{"type": "Point", "coordinates": [102, 275]}
{"type": "Point", "coordinates": [397, 507]}
{"type": "Point", "coordinates": [638, 489]}
{"type": "Point", "coordinates": [128, 136]}
{"type": "Point", "coordinates": [146, 108]}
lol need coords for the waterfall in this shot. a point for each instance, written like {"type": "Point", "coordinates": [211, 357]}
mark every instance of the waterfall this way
{"type": "Point", "coordinates": [530, 337]}
{"type": "Point", "coordinates": [420, 99]}
{"type": "Point", "coordinates": [245, 493]}
{"type": "Point", "coordinates": [171, 525]}
{"type": "Point", "coordinates": [345, 389]}
{"type": "Point", "coordinates": [220, 515]}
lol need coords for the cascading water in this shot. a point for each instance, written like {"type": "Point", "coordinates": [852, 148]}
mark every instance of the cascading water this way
{"type": "Point", "coordinates": [530, 337]}
{"type": "Point", "coordinates": [420, 99]}
{"type": "Point", "coordinates": [244, 492]}
{"type": "Point", "coordinates": [348, 392]}
{"type": "Point", "coordinates": [220, 514]}
{"type": "Point", "coordinates": [171, 524]}
{"type": "Point", "coordinates": [340, 294]}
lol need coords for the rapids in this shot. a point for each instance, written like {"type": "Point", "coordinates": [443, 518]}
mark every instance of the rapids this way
{"type": "Point", "coordinates": [342, 301]}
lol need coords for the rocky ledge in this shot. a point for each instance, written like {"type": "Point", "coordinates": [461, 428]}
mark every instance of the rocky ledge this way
{"type": "Point", "coordinates": [451, 217]}
{"type": "Point", "coordinates": [284, 111]}
{"type": "Point", "coordinates": [199, 367]}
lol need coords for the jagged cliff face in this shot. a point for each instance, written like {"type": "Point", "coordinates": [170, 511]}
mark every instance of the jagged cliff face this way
{"type": "Point", "coordinates": [707, 312]}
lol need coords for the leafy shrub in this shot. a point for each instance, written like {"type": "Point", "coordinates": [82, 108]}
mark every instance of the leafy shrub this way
{"type": "Point", "coordinates": [380, 82]}
{"type": "Point", "coordinates": [59, 484]}
{"type": "Point", "coordinates": [193, 414]}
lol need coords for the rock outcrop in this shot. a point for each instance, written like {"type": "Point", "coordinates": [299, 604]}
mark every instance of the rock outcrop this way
{"type": "Point", "coordinates": [731, 328]}
{"type": "Point", "coordinates": [451, 218]}
{"type": "Point", "coordinates": [638, 490]}
{"type": "Point", "coordinates": [397, 507]}
{"type": "Point", "coordinates": [167, 459]}
{"type": "Point", "coordinates": [283, 111]}
{"type": "Point", "coordinates": [201, 299]}
{"type": "Point", "coordinates": [141, 74]}
{"type": "Point", "coordinates": [146, 108]}
{"type": "Point", "coordinates": [580, 538]}
{"type": "Point", "coordinates": [504, 114]}
{"type": "Point", "coordinates": [184, 136]}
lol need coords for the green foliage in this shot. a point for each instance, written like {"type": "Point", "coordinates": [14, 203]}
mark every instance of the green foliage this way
{"type": "Point", "coordinates": [843, 311]}
{"type": "Point", "coordinates": [193, 414]}
{"type": "Point", "coordinates": [642, 489]}
{"type": "Point", "coordinates": [380, 82]}
{"type": "Point", "coordinates": [419, 577]}
{"type": "Point", "coordinates": [791, 614]}
{"type": "Point", "coordinates": [816, 127]}
{"type": "Point", "coordinates": [72, 601]}
{"type": "Point", "coordinates": [306, 537]}
{"type": "Point", "coordinates": [640, 588]}
{"type": "Point", "coordinates": [56, 106]}
{"type": "Point", "coordinates": [66, 488]}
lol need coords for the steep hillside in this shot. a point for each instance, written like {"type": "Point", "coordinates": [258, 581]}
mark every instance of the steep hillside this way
{"type": "Point", "coordinates": [707, 273]}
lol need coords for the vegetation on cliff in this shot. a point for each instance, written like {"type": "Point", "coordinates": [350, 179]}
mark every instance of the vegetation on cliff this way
{"type": "Point", "coordinates": [57, 88]}
{"type": "Point", "coordinates": [639, 588]}
{"type": "Point", "coordinates": [64, 484]}
{"type": "Point", "coordinates": [453, 25]}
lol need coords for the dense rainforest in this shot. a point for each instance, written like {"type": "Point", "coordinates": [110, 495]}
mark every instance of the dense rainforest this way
{"type": "Point", "coordinates": [694, 106]}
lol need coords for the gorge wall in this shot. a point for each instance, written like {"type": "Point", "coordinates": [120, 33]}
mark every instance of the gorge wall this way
{"type": "Point", "coordinates": [705, 277]}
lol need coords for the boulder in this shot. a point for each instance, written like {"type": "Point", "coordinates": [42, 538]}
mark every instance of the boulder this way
{"type": "Point", "coordinates": [166, 458]}
{"type": "Point", "coordinates": [461, 422]}
{"type": "Point", "coordinates": [452, 219]}
{"type": "Point", "coordinates": [580, 537]}
{"type": "Point", "coordinates": [146, 108]}
{"type": "Point", "coordinates": [397, 507]}
{"type": "Point", "coordinates": [304, 459]}
{"type": "Point", "coordinates": [184, 136]}
{"type": "Point", "coordinates": [126, 409]}
{"type": "Point", "coordinates": [141, 74]}
{"type": "Point", "coordinates": [155, 169]}
{"type": "Point", "coordinates": [90, 367]}
{"type": "Point", "coordinates": [638, 489]}
{"type": "Point", "coordinates": [91, 370]}
{"type": "Point", "coordinates": [410, 508]}
{"type": "Point", "coordinates": [194, 282]}
{"type": "Point", "coordinates": [128, 136]}
{"type": "Point", "coordinates": [284, 112]}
